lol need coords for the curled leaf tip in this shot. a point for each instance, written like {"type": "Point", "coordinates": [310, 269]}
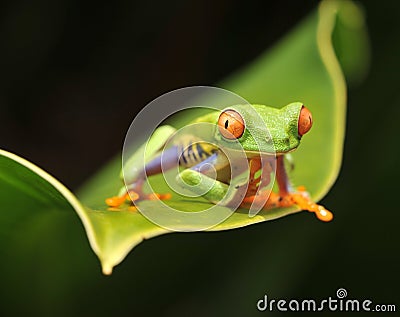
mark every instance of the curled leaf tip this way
{"type": "Point", "coordinates": [107, 269]}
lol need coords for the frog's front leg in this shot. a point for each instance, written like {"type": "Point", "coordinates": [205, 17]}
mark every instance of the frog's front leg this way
{"type": "Point", "coordinates": [286, 196]}
{"type": "Point", "coordinates": [300, 198]}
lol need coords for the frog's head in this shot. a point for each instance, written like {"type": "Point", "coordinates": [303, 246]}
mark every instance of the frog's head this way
{"type": "Point", "coordinates": [262, 129]}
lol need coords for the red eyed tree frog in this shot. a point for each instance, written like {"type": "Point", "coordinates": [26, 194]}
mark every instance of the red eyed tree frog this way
{"type": "Point", "coordinates": [286, 127]}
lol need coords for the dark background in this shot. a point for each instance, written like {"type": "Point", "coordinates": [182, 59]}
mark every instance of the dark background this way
{"type": "Point", "coordinates": [73, 76]}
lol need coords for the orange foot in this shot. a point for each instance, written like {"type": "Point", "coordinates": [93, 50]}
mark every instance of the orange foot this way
{"type": "Point", "coordinates": [117, 201]}
{"type": "Point", "coordinates": [265, 198]}
{"type": "Point", "coordinates": [302, 199]}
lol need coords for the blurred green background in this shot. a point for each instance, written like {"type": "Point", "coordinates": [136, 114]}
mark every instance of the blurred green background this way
{"type": "Point", "coordinates": [73, 76]}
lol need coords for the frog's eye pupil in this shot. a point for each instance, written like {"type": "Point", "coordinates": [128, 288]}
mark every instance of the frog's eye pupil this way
{"type": "Point", "coordinates": [231, 124]}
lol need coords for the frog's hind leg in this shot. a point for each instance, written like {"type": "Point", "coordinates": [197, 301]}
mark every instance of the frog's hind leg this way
{"type": "Point", "coordinates": [200, 179]}
{"type": "Point", "coordinates": [163, 162]}
{"type": "Point", "coordinates": [134, 192]}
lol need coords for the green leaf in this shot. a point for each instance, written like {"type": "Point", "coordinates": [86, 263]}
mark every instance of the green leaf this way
{"type": "Point", "coordinates": [303, 66]}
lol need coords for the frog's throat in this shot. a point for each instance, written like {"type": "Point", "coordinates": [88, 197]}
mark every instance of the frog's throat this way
{"type": "Point", "coordinates": [251, 154]}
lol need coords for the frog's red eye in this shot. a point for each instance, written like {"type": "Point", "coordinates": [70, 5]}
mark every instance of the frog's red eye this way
{"type": "Point", "coordinates": [305, 121]}
{"type": "Point", "coordinates": [231, 124]}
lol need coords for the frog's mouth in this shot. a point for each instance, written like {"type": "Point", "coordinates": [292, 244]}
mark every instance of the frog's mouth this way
{"type": "Point", "coordinates": [251, 154]}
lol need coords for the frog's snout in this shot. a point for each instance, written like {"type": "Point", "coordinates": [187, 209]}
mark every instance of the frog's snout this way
{"type": "Point", "coordinates": [305, 121]}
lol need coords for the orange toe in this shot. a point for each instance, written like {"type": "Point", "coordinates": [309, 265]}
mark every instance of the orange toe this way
{"type": "Point", "coordinates": [155, 196]}
{"type": "Point", "coordinates": [264, 199]}
{"type": "Point", "coordinates": [305, 203]}
{"type": "Point", "coordinates": [115, 201]}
